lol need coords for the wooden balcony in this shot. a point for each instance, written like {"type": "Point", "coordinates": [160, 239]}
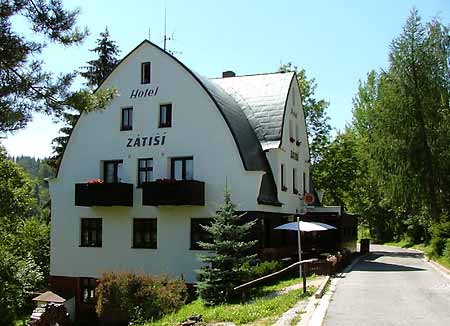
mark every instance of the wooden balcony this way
{"type": "Point", "coordinates": [103, 194]}
{"type": "Point", "coordinates": [173, 192]}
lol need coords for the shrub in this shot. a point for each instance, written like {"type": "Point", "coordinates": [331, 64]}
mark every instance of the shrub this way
{"type": "Point", "coordinates": [138, 297]}
{"type": "Point", "coordinates": [261, 269]}
{"type": "Point", "coordinates": [446, 252]}
{"type": "Point", "coordinates": [439, 234]}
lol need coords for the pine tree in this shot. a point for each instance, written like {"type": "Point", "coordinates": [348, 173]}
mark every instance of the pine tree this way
{"type": "Point", "coordinates": [25, 86]}
{"type": "Point", "coordinates": [231, 248]}
{"type": "Point", "coordinates": [98, 69]}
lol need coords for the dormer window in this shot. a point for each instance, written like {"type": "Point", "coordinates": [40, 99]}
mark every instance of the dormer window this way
{"type": "Point", "coordinates": [145, 72]}
{"type": "Point", "coordinates": [127, 119]}
{"type": "Point", "coordinates": [165, 115]}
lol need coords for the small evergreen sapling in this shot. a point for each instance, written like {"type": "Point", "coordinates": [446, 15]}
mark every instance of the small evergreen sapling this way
{"type": "Point", "coordinates": [231, 249]}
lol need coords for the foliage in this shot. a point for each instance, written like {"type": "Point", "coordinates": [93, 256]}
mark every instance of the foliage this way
{"type": "Point", "coordinates": [392, 165]}
{"type": "Point", "coordinates": [317, 120]}
{"type": "Point", "coordinates": [16, 188]}
{"type": "Point", "coordinates": [440, 233]}
{"type": "Point", "coordinates": [98, 69]}
{"type": "Point", "coordinates": [231, 249]}
{"type": "Point", "coordinates": [139, 296]}
{"type": "Point", "coordinates": [18, 277]}
{"type": "Point", "coordinates": [261, 269]}
{"type": "Point", "coordinates": [25, 86]}
{"type": "Point", "coordinates": [24, 240]}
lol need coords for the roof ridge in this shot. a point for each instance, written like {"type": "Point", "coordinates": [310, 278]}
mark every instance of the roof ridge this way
{"type": "Point", "coordinates": [258, 74]}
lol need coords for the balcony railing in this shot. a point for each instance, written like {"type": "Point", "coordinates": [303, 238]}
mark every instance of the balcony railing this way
{"type": "Point", "coordinates": [171, 192]}
{"type": "Point", "coordinates": [103, 194]}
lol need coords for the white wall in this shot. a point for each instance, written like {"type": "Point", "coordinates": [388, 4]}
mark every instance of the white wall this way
{"type": "Point", "coordinates": [198, 130]}
{"type": "Point", "coordinates": [282, 155]}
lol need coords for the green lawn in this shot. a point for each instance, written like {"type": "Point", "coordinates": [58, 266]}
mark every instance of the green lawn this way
{"type": "Point", "coordinates": [259, 307]}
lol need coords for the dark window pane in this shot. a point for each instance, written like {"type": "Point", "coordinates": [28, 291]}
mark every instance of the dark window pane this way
{"type": "Point", "coordinates": [144, 233]}
{"type": "Point", "coordinates": [145, 73]}
{"type": "Point", "coordinates": [91, 232]}
{"type": "Point", "coordinates": [198, 233]}
{"type": "Point", "coordinates": [165, 115]}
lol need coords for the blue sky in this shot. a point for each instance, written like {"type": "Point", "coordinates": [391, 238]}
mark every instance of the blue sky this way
{"type": "Point", "coordinates": [337, 42]}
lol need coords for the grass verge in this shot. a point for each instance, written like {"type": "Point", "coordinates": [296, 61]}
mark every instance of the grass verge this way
{"type": "Point", "coordinates": [422, 247]}
{"type": "Point", "coordinates": [259, 307]}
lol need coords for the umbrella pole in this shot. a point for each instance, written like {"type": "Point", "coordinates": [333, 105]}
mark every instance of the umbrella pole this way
{"type": "Point", "coordinates": [299, 247]}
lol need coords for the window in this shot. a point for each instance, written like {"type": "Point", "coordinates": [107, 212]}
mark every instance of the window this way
{"type": "Point", "coordinates": [127, 119]}
{"type": "Point", "coordinates": [145, 170]}
{"type": "Point", "coordinates": [294, 181]}
{"type": "Point", "coordinates": [112, 171]}
{"type": "Point", "coordinates": [144, 233]}
{"type": "Point", "coordinates": [198, 234]}
{"type": "Point", "coordinates": [182, 168]}
{"type": "Point", "coordinates": [304, 183]}
{"type": "Point", "coordinates": [145, 72]}
{"type": "Point", "coordinates": [87, 287]}
{"type": "Point", "coordinates": [91, 232]}
{"type": "Point", "coordinates": [283, 178]}
{"type": "Point", "coordinates": [297, 135]}
{"type": "Point", "coordinates": [291, 131]}
{"type": "Point", "coordinates": [165, 115]}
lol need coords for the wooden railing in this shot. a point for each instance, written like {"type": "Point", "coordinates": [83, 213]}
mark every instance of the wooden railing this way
{"type": "Point", "coordinates": [266, 277]}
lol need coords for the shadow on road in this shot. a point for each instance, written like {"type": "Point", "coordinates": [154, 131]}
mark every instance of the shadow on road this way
{"type": "Point", "coordinates": [374, 266]}
{"type": "Point", "coordinates": [397, 254]}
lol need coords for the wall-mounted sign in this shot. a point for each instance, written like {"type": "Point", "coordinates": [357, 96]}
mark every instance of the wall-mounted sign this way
{"type": "Point", "coordinates": [146, 141]}
{"type": "Point", "coordinates": [294, 155]}
{"type": "Point", "coordinates": [148, 92]}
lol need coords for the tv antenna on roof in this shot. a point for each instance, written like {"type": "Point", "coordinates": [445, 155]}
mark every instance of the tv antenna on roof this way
{"type": "Point", "coordinates": [166, 38]}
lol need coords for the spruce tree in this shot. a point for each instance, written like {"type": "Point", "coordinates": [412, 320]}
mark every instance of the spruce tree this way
{"type": "Point", "coordinates": [98, 69]}
{"type": "Point", "coordinates": [231, 248]}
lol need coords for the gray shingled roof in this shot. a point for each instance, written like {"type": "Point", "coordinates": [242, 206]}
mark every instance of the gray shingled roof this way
{"type": "Point", "coordinates": [262, 98]}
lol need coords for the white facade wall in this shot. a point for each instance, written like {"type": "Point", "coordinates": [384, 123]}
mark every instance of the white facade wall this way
{"type": "Point", "coordinates": [293, 116]}
{"type": "Point", "coordinates": [198, 130]}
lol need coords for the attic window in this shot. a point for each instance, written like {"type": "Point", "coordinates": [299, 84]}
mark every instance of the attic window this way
{"type": "Point", "coordinates": [145, 72]}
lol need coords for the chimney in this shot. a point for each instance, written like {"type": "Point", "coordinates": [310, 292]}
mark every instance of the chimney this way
{"type": "Point", "coordinates": [228, 73]}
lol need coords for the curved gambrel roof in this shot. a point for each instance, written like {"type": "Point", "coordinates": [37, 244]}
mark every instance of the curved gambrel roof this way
{"type": "Point", "coordinates": [249, 147]}
{"type": "Point", "coordinates": [263, 99]}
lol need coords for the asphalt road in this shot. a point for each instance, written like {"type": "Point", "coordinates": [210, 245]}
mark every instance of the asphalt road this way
{"type": "Point", "coordinates": [390, 287]}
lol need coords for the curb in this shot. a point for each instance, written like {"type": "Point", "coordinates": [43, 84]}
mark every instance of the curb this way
{"type": "Point", "coordinates": [321, 289]}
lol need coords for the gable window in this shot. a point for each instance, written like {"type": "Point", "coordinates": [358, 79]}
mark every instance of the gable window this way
{"type": "Point", "coordinates": [294, 181]}
{"type": "Point", "coordinates": [291, 131]}
{"type": "Point", "coordinates": [304, 183]}
{"type": "Point", "coordinates": [198, 234]}
{"type": "Point", "coordinates": [87, 287]}
{"type": "Point", "coordinates": [145, 233]}
{"type": "Point", "coordinates": [283, 178]}
{"type": "Point", "coordinates": [165, 115]}
{"type": "Point", "coordinates": [145, 72]}
{"type": "Point", "coordinates": [91, 232]}
{"type": "Point", "coordinates": [145, 170]}
{"type": "Point", "coordinates": [112, 171]}
{"type": "Point", "coordinates": [182, 168]}
{"type": "Point", "coordinates": [127, 119]}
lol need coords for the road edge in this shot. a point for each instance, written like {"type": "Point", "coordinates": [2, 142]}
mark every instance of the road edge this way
{"type": "Point", "coordinates": [317, 307]}
{"type": "Point", "coordinates": [444, 271]}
